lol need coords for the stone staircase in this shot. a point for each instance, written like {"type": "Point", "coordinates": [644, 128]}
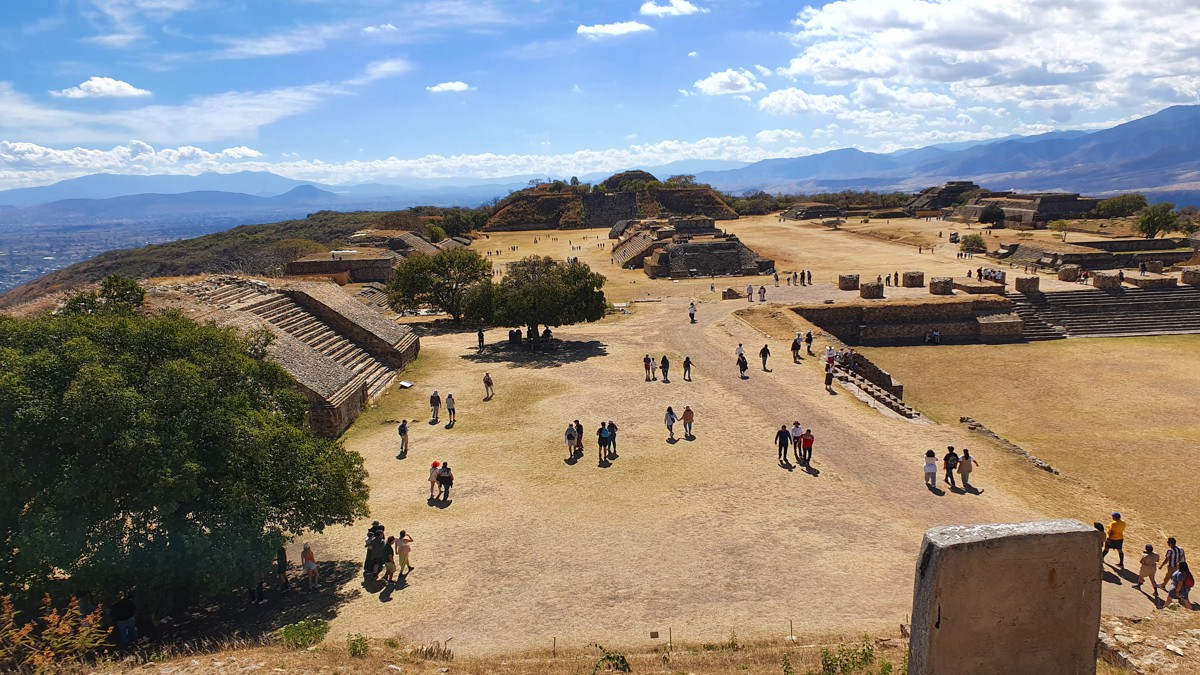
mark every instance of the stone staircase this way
{"type": "Point", "coordinates": [289, 317]}
{"type": "Point", "coordinates": [878, 393]}
{"type": "Point", "coordinates": [373, 295]}
{"type": "Point", "coordinates": [633, 247]}
{"type": "Point", "coordinates": [1036, 328]}
{"type": "Point", "coordinates": [1127, 312]}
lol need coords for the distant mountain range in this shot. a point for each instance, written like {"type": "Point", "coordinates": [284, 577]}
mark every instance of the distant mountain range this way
{"type": "Point", "coordinates": [1158, 154]}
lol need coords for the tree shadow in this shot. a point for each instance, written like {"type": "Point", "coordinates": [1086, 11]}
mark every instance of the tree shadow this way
{"type": "Point", "coordinates": [546, 354]}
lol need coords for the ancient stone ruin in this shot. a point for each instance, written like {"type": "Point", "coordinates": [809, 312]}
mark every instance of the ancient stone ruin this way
{"type": "Point", "coordinates": [812, 210]}
{"type": "Point", "coordinates": [342, 354]}
{"type": "Point", "coordinates": [847, 282]}
{"type": "Point", "coordinates": [871, 290]}
{"type": "Point", "coordinates": [1031, 210]}
{"type": "Point", "coordinates": [1037, 612]}
{"type": "Point", "coordinates": [959, 319]}
{"type": "Point", "coordinates": [1028, 285]}
{"type": "Point", "coordinates": [913, 279]}
{"type": "Point", "coordinates": [931, 201]}
{"type": "Point", "coordinates": [373, 257]}
{"type": "Point", "coordinates": [683, 247]}
{"type": "Point", "coordinates": [941, 286]}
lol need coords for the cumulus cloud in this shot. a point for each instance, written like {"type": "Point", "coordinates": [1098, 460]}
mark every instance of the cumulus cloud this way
{"type": "Point", "coordinates": [729, 82]}
{"type": "Point", "coordinates": [450, 86]}
{"type": "Point", "coordinates": [693, 54]}
{"type": "Point", "coordinates": [671, 8]}
{"type": "Point", "coordinates": [380, 29]}
{"type": "Point", "coordinates": [606, 30]}
{"type": "Point", "coordinates": [876, 94]}
{"type": "Point", "coordinates": [792, 101]}
{"type": "Point", "coordinates": [98, 87]}
{"type": "Point", "coordinates": [770, 136]}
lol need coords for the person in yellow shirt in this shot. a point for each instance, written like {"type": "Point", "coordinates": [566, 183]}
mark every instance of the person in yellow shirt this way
{"type": "Point", "coordinates": [1115, 539]}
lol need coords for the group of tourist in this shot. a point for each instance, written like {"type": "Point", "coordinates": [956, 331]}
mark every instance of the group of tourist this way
{"type": "Point", "coordinates": [801, 278]}
{"type": "Point", "coordinates": [1178, 574]}
{"type": "Point", "coordinates": [762, 293]}
{"type": "Point", "coordinates": [965, 255]}
{"type": "Point", "coordinates": [652, 366]}
{"type": "Point", "coordinates": [952, 464]}
{"type": "Point", "coordinates": [435, 407]}
{"type": "Point", "coordinates": [687, 417]}
{"type": "Point", "coordinates": [987, 274]}
{"type": "Point", "coordinates": [799, 439]}
{"type": "Point", "coordinates": [606, 441]}
{"type": "Point", "coordinates": [806, 341]}
{"type": "Point", "coordinates": [441, 479]}
{"type": "Point", "coordinates": [386, 555]}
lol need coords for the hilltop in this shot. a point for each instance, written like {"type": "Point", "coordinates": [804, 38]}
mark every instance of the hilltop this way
{"type": "Point", "coordinates": [559, 205]}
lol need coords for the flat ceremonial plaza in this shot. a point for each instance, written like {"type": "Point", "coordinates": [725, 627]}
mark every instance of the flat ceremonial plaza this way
{"type": "Point", "coordinates": [711, 535]}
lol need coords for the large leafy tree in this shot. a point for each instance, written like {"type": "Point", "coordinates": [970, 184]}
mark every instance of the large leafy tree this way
{"type": "Point", "coordinates": [150, 451]}
{"type": "Point", "coordinates": [991, 215]}
{"type": "Point", "coordinates": [1120, 205]}
{"type": "Point", "coordinates": [1156, 218]}
{"type": "Point", "coordinates": [538, 291]}
{"type": "Point", "coordinates": [440, 280]}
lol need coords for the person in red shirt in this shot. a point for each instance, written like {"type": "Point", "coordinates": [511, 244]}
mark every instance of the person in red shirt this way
{"type": "Point", "coordinates": [806, 445]}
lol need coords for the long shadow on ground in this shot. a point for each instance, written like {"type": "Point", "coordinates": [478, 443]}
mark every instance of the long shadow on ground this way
{"type": "Point", "coordinates": [548, 354]}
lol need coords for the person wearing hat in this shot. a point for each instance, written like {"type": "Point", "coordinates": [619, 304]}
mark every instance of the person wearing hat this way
{"type": "Point", "coordinates": [1115, 539]}
{"type": "Point", "coordinates": [433, 471]}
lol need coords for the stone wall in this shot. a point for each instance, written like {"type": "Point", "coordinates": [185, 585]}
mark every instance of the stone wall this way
{"type": "Point", "coordinates": [847, 282]}
{"type": "Point", "coordinates": [1028, 285]}
{"type": "Point", "coordinates": [1007, 598]}
{"type": "Point", "coordinates": [1155, 266]}
{"type": "Point", "coordinates": [1190, 275]}
{"type": "Point", "coordinates": [941, 286]}
{"type": "Point", "coordinates": [1069, 273]}
{"type": "Point", "coordinates": [871, 290]}
{"type": "Point", "coordinates": [604, 210]}
{"type": "Point", "coordinates": [913, 279]}
{"type": "Point", "coordinates": [1156, 281]}
{"type": "Point", "coordinates": [360, 270]}
{"type": "Point", "coordinates": [891, 322]}
{"type": "Point", "coordinates": [974, 286]}
{"type": "Point", "coordinates": [1106, 280]}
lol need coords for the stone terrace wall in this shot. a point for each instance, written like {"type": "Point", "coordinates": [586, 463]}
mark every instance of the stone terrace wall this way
{"type": "Point", "coordinates": [360, 270]}
{"type": "Point", "coordinates": [604, 210]}
{"type": "Point", "coordinates": [386, 341]}
{"type": "Point", "coordinates": [982, 318]}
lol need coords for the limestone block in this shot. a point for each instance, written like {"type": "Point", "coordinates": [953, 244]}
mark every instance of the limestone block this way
{"type": "Point", "coordinates": [1069, 273]}
{"type": "Point", "coordinates": [1190, 275]}
{"type": "Point", "coordinates": [1155, 266]}
{"type": "Point", "coordinates": [1029, 285]}
{"type": "Point", "coordinates": [871, 290]}
{"type": "Point", "coordinates": [913, 279]}
{"type": "Point", "coordinates": [847, 282]}
{"type": "Point", "coordinates": [1037, 612]}
{"type": "Point", "coordinates": [1106, 280]}
{"type": "Point", "coordinates": [732, 294]}
{"type": "Point", "coordinates": [941, 286]}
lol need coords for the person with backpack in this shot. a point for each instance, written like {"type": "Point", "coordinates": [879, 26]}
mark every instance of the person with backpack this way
{"type": "Point", "coordinates": [796, 343]}
{"type": "Point", "coordinates": [670, 418]}
{"type": "Point", "coordinates": [488, 391]}
{"type": "Point", "coordinates": [1181, 586]}
{"type": "Point", "coordinates": [403, 431]}
{"type": "Point", "coordinates": [950, 464]}
{"type": "Point", "coordinates": [808, 340]}
{"type": "Point", "coordinates": [445, 479]}
{"type": "Point", "coordinates": [602, 438]}
{"type": "Point", "coordinates": [435, 406]}
{"type": "Point", "coordinates": [569, 437]}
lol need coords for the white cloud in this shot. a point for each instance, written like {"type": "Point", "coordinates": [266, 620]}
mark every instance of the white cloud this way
{"type": "Point", "coordinates": [380, 70]}
{"type": "Point", "coordinates": [97, 87]}
{"type": "Point", "coordinates": [672, 8]}
{"type": "Point", "coordinates": [125, 19]}
{"type": "Point", "coordinates": [770, 136]}
{"type": "Point", "coordinates": [450, 86]}
{"type": "Point", "coordinates": [693, 54]}
{"type": "Point", "coordinates": [729, 82]}
{"type": "Point", "coordinates": [381, 28]}
{"type": "Point", "coordinates": [606, 30]}
{"type": "Point", "coordinates": [876, 94]}
{"type": "Point", "coordinates": [792, 101]}
{"type": "Point", "coordinates": [763, 71]}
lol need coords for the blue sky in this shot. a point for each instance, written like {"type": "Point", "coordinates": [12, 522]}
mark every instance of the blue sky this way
{"type": "Point", "coordinates": [388, 90]}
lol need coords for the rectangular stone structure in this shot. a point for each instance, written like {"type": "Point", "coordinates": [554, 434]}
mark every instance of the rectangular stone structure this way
{"type": "Point", "coordinates": [913, 279]}
{"type": "Point", "coordinates": [998, 599]}
{"type": "Point", "coordinates": [1106, 280]}
{"type": "Point", "coordinates": [1190, 275]}
{"type": "Point", "coordinates": [1069, 273]}
{"type": "Point", "coordinates": [847, 282]}
{"type": "Point", "coordinates": [1028, 285]}
{"type": "Point", "coordinates": [872, 290]}
{"type": "Point", "coordinates": [1154, 266]}
{"type": "Point", "coordinates": [941, 286]}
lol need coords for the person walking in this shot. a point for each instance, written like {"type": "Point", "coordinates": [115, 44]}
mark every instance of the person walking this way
{"type": "Point", "coordinates": [742, 365]}
{"type": "Point", "coordinates": [783, 438]}
{"type": "Point", "coordinates": [479, 336]}
{"type": "Point", "coordinates": [1148, 567]}
{"type": "Point", "coordinates": [762, 293]}
{"type": "Point", "coordinates": [308, 560]}
{"type": "Point", "coordinates": [669, 419]}
{"type": "Point", "coordinates": [739, 351]}
{"type": "Point", "coordinates": [450, 408]}
{"type": "Point", "coordinates": [602, 438]}
{"type": "Point", "coordinates": [810, 277]}
{"type": "Point", "coordinates": [829, 376]}
{"type": "Point", "coordinates": [404, 552]}
{"type": "Point", "coordinates": [692, 312]}
{"type": "Point", "coordinates": [687, 369]}
{"type": "Point", "coordinates": [654, 370]}
{"type": "Point", "coordinates": [777, 280]}
{"type": "Point", "coordinates": [763, 354]}
{"type": "Point", "coordinates": [665, 365]}
{"type": "Point", "coordinates": [687, 418]}
{"type": "Point", "coordinates": [402, 430]}
{"type": "Point", "coordinates": [966, 464]}
{"type": "Point", "coordinates": [931, 469]}
{"type": "Point", "coordinates": [796, 431]}
{"type": "Point", "coordinates": [797, 342]}
{"type": "Point", "coordinates": [568, 436]}
{"type": "Point", "coordinates": [950, 464]}
{"type": "Point", "coordinates": [389, 564]}
{"type": "Point", "coordinates": [445, 480]}
{"type": "Point", "coordinates": [435, 406]}
{"type": "Point", "coordinates": [750, 293]}
{"type": "Point", "coordinates": [1181, 586]}
{"type": "Point", "coordinates": [579, 438]}
{"type": "Point", "coordinates": [1174, 557]}
{"type": "Point", "coordinates": [612, 436]}
{"type": "Point", "coordinates": [646, 360]}
{"type": "Point", "coordinates": [806, 447]}
{"type": "Point", "coordinates": [488, 391]}
{"type": "Point", "coordinates": [433, 472]}
{"type": "Point", "coordinates": [808, 340]}
{"type": "Point", "coordinates": [1114, 540]}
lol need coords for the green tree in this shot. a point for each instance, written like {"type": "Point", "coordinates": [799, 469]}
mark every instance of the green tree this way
{"type": "Point", "coordinates": [538, 291]}
{"type": "Point", "coordinates": [973, 243]}
{"type": "Point", "coordinates": [991, 215]}
{"type": "Point", "coordinates": [681, 180]}
{"type": "Point", "coordinates": [150, 451]}
{"type": "Point", "coordinates": [1120, 206]}
{"type": "Point", "coordinates": [1060, 227]}
{"type": "Point", "coordinates": [1156, 218]}
{"type": "Point", "coordinates": [117, 294]}
{"type": "Point", "coordinates": [436, 233]}
{"type": "Point", "coordinates": [1189, 220]}
{"type": "Point", "coordinates": [440, 280]}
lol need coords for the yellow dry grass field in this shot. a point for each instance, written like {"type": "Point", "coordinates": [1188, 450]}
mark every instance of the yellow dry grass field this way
{"type": "Point", "coordinates": [704, 536]}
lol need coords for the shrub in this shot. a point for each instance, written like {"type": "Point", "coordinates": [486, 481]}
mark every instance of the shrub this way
{"type": "Point", "coordinates": [611, 661]}
{"type": "Point", "coordinates": [358, 645]}
{"type": "Point", "coordinates": [65, 637]}
{"type": "Point", "coordinates": [303, 634]}
{"type": "Point", "coordinates": [973, 243]}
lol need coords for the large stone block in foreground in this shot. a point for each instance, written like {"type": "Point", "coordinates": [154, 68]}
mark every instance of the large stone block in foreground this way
{"type": "Point", "coordinates": [913, 279]}
{"type": "Point", "coordinates": [871, 290]}
{"type": "Point", "coordinates": [1190, 275]}
{"type": "Point", "coordinates": [941, 286]}
{"type": "Point", "coordinates": [847, 282]}
{"type": "Point", "coordinates": [1007, 598]}
{"type": "Point", "coordinates": [1106, 280]}
{"type": "Point", "coordinates": [1029, 285]}
{"type": "Point", "coordinates": [1069, 272]}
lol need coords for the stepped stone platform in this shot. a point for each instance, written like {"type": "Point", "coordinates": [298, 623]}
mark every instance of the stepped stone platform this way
{"type": "Point", "coordinates": [975, 286]}
{"type": "Point", "coordinates": [1150, 280]}
{"type": "Point", "coordinates": [1089, 312]}
{"type": "Point", "coordinates": [342, 354]}
{"type": "Point", "coordinates": [958, 319]}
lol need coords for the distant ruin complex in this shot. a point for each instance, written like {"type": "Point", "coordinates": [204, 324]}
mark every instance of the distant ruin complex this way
{"type": "Point", "coordinates": [683, 247]}
{"type": "Point", "coordinates": [932, 200]}
{"type": "Point", "coordinates": [373, 259]}
{"type": "Point", "coordinates": [1029, 211]}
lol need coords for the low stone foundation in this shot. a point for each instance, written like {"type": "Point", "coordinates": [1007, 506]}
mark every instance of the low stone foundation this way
{"type": "Point", "coordinates": [1069, 273]}
{"type": "Point", "coordinates": [1106, 281]}
{"type": "Point", "coordinates": [871, 290]}
{"type": "Point", "coordinates": [1028, 285]}
{"type": "Point", "coordinates": [847, 282]}
{"type": "Point", "coordinates": [1155, 266]}
{"type": "Point", "coordinates": [974, 286]}
{"type": "Point", "coordinates": [1150, 280]}
{"type": "Point", "coordinates": [941, 286]}
{"type": "Point", "coordinates": [1190, 275]}
{"type": "Point", "coordinates": [913, 279]}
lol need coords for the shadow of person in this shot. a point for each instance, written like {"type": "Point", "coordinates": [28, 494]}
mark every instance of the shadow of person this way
{"type": "Point", "coordinates": [832, 392]}
{"type": "Point", "coordinates": [386, 594]}
{"type": "Point", "coordinates": [672, 440]}
{"type": "Point", "coordinates": [403, 455]}
{"type": "Point", "coordinates": [572, 460]}
{"type": "Point", "coordinates": [783, 463]}
{"type": "Point", "coordinates": [1128, 575]}
{"type": "Point", "coordinates": [689, 438]}
{"type": "Point", "coordinates": [744, 376]}
{"type": "Point", "coordinates": [603, 464]}
{"type": "Point", "coordinates": [401, 582]}
{"type": "Point", "coordinates": [611, 456]}
{"type": "Point", "coordinates": [432, 501]}
{"type": "Point", "coordinates": [938, 491]}
{"type": "Point", "coordinates": [666, 381]}
{"type": "Point", "coordinates": [443, 503]}
{"type": "Point", "coordinates": [373, 585]}
{"type": "Point", "coordinates": [1110, 578]}
{"type": "Point", "coordinates": [957, 490]}
{"type": "Point", "coordinates": [812, 471]}
{"type": "Point", "coordinates": [767, 370]}
{"type": "Point", "coordinates": [971, 489]}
